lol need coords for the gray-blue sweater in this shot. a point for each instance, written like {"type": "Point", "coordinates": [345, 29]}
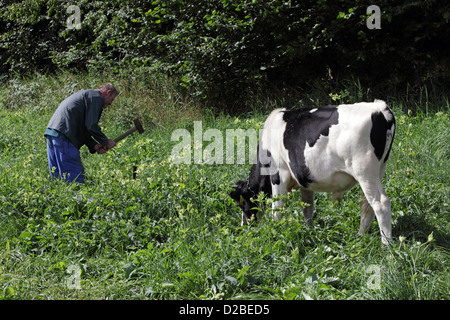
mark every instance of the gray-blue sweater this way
{"type": "Point", "coordinates": [77, 118]}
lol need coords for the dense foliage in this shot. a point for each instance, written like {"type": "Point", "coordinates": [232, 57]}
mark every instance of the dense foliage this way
{"type": "Point", "coordinates": [223, 49]}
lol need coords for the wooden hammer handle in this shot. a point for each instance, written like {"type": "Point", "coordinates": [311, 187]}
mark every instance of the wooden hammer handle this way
{"type": "Point", "coordinates": [125, 134]}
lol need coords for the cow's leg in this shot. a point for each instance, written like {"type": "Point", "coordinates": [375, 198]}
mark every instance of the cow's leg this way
{"type": "Point", "coordinates": [367, 215]}
{"type": "Point", "coordinates": [244, 220]}
{"type": "Point", "coordinates": [279, 183]}
{"type": "Point", "coordinates": [278, 189]}
{"type": "Point", "coordinates": [308, 211]}
{"type": "Point", "coordinates": [381, 205]}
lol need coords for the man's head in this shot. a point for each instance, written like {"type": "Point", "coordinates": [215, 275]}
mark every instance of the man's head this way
{"type": "Point", "coordinates": [108, 93]}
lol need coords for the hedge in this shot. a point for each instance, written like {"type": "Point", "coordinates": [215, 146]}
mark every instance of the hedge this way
{"type": "Point", "coordinates": [225, 50]}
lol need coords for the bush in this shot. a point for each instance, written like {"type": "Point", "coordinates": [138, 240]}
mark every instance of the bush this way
{"type": "Point", "coordinates": [225, 50]}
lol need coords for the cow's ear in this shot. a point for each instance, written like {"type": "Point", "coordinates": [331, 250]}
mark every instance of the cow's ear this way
{"type": "Point", "coordinates": [234, 194]}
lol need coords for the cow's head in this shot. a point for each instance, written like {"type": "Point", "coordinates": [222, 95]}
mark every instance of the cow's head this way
{"type": "Point", "coordinates": [244, 196]}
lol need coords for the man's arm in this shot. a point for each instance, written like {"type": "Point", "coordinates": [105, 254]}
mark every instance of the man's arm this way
{"type": "Point", "coordinates": [94, 107]}
{"type": "Point", "coordinates": [91, 143]}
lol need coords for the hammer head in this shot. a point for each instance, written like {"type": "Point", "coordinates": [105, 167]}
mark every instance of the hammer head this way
{"type": "Point", "coordinates": [138, 126]}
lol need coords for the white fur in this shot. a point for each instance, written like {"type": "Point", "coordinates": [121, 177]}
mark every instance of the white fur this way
{"type": "Point", "coordinates": [336, 162]}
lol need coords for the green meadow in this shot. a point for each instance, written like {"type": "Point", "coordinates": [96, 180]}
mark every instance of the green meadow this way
{"type": "Point", "coordinates": [174, 233]}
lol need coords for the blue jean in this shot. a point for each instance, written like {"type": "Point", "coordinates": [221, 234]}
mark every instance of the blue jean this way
{"type": "Point", "coordinates": [64, 160]}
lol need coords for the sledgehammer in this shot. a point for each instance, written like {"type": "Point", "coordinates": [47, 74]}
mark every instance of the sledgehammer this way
{"type": "Point", "coordinates": [137, 127]}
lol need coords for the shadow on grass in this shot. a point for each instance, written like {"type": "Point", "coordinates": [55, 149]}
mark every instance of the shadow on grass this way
{"type": "Point", "coordinates": [418, 228]}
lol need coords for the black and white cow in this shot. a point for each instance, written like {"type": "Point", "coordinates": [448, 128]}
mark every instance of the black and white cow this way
{"type": "Point", "coordinates": [326, 149]}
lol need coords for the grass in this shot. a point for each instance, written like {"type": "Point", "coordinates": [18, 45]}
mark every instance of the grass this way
{"type": "Point", "coordinates": [173, 233]}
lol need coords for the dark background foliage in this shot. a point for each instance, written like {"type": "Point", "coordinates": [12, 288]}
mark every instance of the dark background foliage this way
{"type": "Point", "coordinates": [226, 51]}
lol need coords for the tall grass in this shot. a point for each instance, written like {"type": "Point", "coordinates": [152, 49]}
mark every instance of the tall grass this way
{"type": "Point", "coordinates": [173, 233]}
{"type": "Point", "coordinates": [153, 98]}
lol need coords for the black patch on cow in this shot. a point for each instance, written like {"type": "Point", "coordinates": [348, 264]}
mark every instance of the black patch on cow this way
{"type": "Point", "coordinates": [275, 178]}
{"type": "Point", "coordinates": [380, 126]}
{"type": "Point", "coordinates": [303, 127]}
{"type": "Point", "coordinates": [257, 181]}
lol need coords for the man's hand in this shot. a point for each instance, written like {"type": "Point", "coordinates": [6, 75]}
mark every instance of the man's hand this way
{"type": "Point", "coordinates": [100, 149]}
{"type": "Point", "coordinates": [111, 144]}
{"type": "Point", "coordinates": [103, 149]}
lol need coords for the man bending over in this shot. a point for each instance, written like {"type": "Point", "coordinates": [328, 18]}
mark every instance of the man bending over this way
{"type": "Point", "coordinates": [74, 124]}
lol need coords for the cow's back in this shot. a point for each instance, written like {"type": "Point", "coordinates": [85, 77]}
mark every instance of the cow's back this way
{"type": "Point", "coordinates": [308, 142]}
